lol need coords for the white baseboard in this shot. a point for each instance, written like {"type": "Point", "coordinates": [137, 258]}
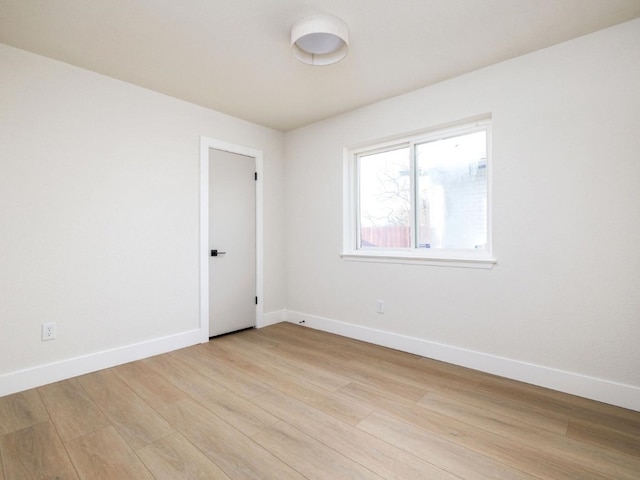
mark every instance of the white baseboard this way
{"type": "Point", "coordinates": [52, 372]}
{"type": "Point", "coordinates": [626, 396]}
{"type": "Point", "coordinates": [272, 318]}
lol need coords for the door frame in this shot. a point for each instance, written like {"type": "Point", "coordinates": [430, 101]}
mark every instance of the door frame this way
{"type": "Point", "coordinates": [207, 143]}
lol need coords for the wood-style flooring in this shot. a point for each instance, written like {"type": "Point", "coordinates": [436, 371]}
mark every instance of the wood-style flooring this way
{"type": "Point", "coordinates": [287, 402]}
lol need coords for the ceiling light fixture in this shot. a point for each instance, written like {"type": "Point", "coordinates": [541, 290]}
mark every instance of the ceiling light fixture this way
{"type": "Point", "coordinates": [320, 40]}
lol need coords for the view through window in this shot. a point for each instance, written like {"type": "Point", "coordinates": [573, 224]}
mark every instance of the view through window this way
{"type": "Point", "coordinates": [427, 193]}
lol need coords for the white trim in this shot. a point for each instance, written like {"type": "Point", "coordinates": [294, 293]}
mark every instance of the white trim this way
{"type": "Point", "coordinates": [622, 395]}
{"type": "Point", "coordinates": [207, 143]}
{"type": "Point", "coordinates": [272, 318]}
{"type": "Point", "coordinates": [53, 372]}
{"type": "Point", "coordinates": [408, 259]}
{"type": "Point", "coordinates": [625, 396]}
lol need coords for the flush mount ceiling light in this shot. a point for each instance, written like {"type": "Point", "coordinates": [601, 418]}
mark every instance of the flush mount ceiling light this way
{"type": "Point", "coordinates": [320, 40]}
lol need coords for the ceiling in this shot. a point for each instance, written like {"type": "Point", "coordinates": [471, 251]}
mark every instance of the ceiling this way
{"type": "Point", "coordinates": [234, 55]}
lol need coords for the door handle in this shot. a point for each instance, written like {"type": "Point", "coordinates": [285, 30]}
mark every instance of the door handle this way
{"type": "Point", "coordinates": [215, 253]}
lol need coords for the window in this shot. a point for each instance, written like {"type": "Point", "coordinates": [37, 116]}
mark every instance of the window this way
{"type": "Point", "coordinates": [424, 198]}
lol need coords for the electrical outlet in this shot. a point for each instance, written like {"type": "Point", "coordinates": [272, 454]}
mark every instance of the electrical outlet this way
{"type": "Point", "coordinates": [380, 304]}
{"type": "Point", "coordinates": [49, 331]}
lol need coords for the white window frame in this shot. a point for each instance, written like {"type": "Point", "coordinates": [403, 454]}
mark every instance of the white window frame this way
{"type": "Point", "coordinates": [412, 255]}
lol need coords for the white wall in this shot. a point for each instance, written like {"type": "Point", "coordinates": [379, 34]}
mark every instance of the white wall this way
{"type": "Point", "coordinates": [564, 296]}
{"type": "Point", "coordinates": [99, 217]}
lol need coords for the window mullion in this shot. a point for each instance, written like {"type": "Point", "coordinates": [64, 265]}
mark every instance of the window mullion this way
{"type": "Point", "coordinates": [412, 196]}
{"type": "Point", "coordinates": [357, 203]}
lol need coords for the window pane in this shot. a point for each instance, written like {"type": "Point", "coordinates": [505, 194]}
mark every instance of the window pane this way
{"type": "Point", "coordinates": [385, 205]}
{"type": "Point", "coordinates": [452, 192]}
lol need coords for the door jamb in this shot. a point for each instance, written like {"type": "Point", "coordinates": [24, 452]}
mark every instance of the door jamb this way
{"type": "Point", "coordinates": [207, 143]}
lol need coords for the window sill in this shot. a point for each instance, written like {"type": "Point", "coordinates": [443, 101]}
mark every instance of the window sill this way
{"type": "Point", "coordinates": [409, 259]}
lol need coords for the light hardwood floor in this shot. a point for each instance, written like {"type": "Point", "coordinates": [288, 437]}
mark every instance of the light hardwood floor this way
{"type": "Point", "coordinates": [288, 402]}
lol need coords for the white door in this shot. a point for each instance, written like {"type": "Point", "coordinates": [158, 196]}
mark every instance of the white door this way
{"type": "Point", "coordinates": [232, 242]}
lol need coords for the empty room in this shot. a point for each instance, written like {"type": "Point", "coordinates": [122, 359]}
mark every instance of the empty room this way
{"type": "Point", "coordinates": [304, 239]}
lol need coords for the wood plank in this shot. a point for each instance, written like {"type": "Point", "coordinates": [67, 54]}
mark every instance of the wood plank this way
{"type": "Point", "coordinates": [104, 455]}
{"type": "Point", "coordinates": [136, 421]}
{"type": "Point", "coordinates": [72, 411]}
{"type": "Point", "coordinates": [625, 421]}
{"type": "Point", "coordinates": [385, 459]}
{"type": "Point", "coordinates": [154, 389]}
{"type": "Point", "coordinates": [608, 438]}
{"type": "Point", "coordinates": [499, 409]}
{"type": "Point", "coordinates": [460, 461]}
{"type": "Point", "coordinates": [344, 348]}
{"type": "Point", "coordinates": [291, 334]}
{"type": "Point", "coordinates": [363, 372]}
{"type": "Point", "coordinates": [236, 454]}
{"type": "Point", "coordinates": [242, 414]}
{"type": "Point", "coordinates": [522, 390]}
{"type": "Point", "coordinates": [326, 361]}
{"type": "Point", "coordinates": [606, 462]}
{"type": "Point", "coordinates": [371, 397]}
{"type": "Point", "coordinates": [175, 458]}
{"type": "Point", "coordinates": [35, 452]}
{"type": "Point", "coordinates": [309, 457]}
{"type": "Point", "coordinates": [309, 341]}
{"type": "Point", "coordinates": [296, 367]}
{"type": "Point", "coordinates": [198, 359]}
{"type": "Point", "coordinates": [255, 334]}
{"type": "Point", "coordinates": [345, 410]}
{"type": "Point", "coordinates": [523, 456]}
{"type": "Point", "coordinates": [419, 375]}
{"type": "Point", "coordinates": [21, 410]}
